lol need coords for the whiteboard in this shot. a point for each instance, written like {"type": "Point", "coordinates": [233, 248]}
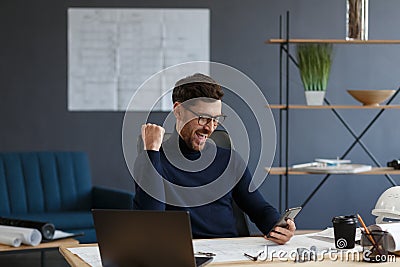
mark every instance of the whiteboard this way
{"type": "Point", "coordinates": [113, 51]}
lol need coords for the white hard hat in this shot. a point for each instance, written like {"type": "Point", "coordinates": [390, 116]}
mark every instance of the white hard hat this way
{"type": "Point", "coordinates": [388, 205]}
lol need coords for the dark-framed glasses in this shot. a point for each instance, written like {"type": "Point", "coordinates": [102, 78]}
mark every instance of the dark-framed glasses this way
{"type": "Point", "coordinates": [203, 119]}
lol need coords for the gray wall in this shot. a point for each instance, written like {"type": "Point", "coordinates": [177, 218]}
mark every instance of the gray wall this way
{"type": "Point", "coordinates": [33, 94]}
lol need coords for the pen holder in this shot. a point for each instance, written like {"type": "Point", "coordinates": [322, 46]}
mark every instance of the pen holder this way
{"type": "Point", "coordinates": [375, 246]}
{"type": "Point", "coordinates": [344, 228]}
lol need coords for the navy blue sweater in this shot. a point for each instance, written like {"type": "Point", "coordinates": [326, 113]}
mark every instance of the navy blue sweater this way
{"type": "Point", "coordinates": [222, 170]}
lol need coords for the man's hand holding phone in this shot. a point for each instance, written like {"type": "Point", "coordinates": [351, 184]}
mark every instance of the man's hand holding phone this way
{"type": "Point", "coordinates": [281, 235]}
{"type": "Point", "coordinates": [284, 228]}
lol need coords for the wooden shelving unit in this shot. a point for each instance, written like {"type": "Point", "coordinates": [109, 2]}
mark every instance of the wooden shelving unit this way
{"type": "Point", "coordinates": [284, 109]}
{"type": "Point", "coordinates": [333, 107]}
{"type": "Point", "coordinates": [374, 171]}
{"type": "Point", "coordinates": [331, 41]}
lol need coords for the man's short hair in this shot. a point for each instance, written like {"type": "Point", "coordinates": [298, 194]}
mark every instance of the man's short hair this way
{"type": "Point", "coordinates": [195, 86]}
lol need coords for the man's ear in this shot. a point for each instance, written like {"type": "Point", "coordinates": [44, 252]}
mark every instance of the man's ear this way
{"type": "Point", "coordinates": [177, 110]}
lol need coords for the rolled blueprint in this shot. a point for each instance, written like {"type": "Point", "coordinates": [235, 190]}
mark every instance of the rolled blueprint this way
{"type": "Point", "coordinates": [45, 228]}
{"type": "Point", "coordinates": [28, 236]}
{"type": "Point", "coordinates": [13, 240]}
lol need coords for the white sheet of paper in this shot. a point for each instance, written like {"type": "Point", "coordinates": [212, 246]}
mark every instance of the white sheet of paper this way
{"type": "Point", "coordinates": [61, 234]}
{"type": "Point", "coordinates": [91, 255]}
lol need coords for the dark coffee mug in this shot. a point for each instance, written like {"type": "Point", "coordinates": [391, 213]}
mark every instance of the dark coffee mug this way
{"type": "Point", "coordinates": [344, 228]}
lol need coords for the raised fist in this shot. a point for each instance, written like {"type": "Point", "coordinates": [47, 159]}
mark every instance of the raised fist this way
{"type": "Point", "coordinates": [152, 135]}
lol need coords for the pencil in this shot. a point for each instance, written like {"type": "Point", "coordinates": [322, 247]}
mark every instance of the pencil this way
{"type": "Point", "coordinates": [370, 237]}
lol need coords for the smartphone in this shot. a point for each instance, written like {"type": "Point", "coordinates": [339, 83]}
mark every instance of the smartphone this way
{"type": "Point", "coordinates": [289, 214]}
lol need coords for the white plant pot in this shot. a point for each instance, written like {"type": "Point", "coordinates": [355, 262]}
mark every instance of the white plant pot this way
{"type": "Point", "coordinates": [315, 98]}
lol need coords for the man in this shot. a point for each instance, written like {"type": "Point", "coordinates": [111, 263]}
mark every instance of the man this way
{"type": "Point", "coordinates": [170, 173]}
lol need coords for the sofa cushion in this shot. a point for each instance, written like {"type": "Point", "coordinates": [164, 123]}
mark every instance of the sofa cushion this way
{"type": "Point", "coordinates": [55, 187]}
{"type": "Point", "coordinates": [35, 182]}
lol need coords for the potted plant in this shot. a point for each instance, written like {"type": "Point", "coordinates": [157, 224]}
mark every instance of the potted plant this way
{"type": "Point", "coordinates": [314, 62]}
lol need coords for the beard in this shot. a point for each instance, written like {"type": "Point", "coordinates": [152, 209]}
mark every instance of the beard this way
{"type": "Point", "coordinates": [195, 138]}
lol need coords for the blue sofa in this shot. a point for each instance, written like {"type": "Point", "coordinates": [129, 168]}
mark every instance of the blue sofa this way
{"type": "Point", "coordinates": [55, 187]}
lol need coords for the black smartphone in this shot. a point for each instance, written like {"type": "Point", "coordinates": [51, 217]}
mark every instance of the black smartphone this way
{"type": "Point", "coordinates": [289, 214]}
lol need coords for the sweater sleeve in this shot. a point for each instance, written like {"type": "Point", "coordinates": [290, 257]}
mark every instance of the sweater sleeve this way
{"type": "Point", "coordinates": [149, 184]}
{"type": "Point", "coordinates": [260, 212]}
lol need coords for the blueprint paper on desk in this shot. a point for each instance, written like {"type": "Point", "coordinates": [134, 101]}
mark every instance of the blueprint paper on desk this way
{"type": "Point", "coordinates": [90, 255]}
{"type": "Point", "coordinates": [329, 233]}
{"type": "Point", "coordinates": [233, 249]}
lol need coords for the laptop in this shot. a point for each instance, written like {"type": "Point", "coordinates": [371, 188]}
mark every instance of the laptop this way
{"type": "Point", "coordinates": [145, 238]}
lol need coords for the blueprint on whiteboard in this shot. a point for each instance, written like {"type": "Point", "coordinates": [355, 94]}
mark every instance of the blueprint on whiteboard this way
{"type": "Point", "coordinates": [112, 51]}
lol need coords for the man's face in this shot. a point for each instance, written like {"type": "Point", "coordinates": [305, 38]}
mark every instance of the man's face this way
{"type": "Point", "coordinates": [194, 134]}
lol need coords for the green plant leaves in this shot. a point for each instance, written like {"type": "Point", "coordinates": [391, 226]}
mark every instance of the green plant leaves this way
{"type": "Point", "coordinates": [314, 64]}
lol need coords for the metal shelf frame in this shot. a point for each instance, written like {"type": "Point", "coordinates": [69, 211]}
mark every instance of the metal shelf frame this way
{"type": "Point", "coordinates": [284, 112]}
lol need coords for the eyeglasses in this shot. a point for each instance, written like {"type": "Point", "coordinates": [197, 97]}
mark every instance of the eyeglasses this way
{"type": "Point", "coordinates": [203, 119]}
